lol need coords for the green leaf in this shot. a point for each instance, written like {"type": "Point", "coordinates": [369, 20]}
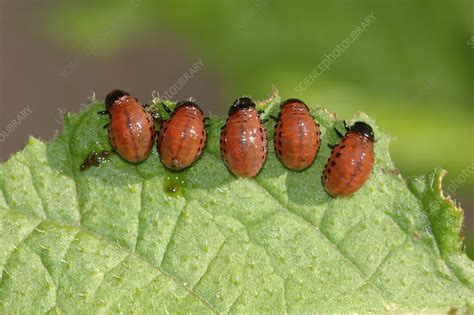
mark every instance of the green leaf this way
{"type": "Point", "coordinates": [115, 239]}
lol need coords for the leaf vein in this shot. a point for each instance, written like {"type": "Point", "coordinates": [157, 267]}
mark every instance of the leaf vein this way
{"type": "Point", "coordinates": [171, 235]}
{"type": "Point", "coordinates": [210, 262]}
{"type": "Point", "coordinates": [140, 212]}
{"type": "Point", "coordinates": [35, 186]}
{"type": "Point", "coordinates": [93, 295]}
{"type": "Point", "coordinates": [14, 249]}
{"type": "Point", "coordinates": [52, 279]}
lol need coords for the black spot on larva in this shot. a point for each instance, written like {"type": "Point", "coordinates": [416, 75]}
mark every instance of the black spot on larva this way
{"type": "Point", "coordinates": [201, 140]}
{"type": "Point", "coordinates": [263, 148]}
{"type": "Point", "coordinates": [260, 129]}
{"type": "Point", "coordinates": [279, 151]}
{"type": "Point", "coordinates": [342, 147]}
{"type": "Point", "coordinates": [280, 134]}
{"type": "Point", "coordinates": [329, 171]}
{"type": "Point", "coordinates": [225, 151]}
{"type": "Point", "coordinates": [333, 163]}
{"type": "Point", "coordinates": [344, 139]}
{"type": "Point", "coordinates": [280, 143]}
{"type": "Point", "coordinates": [338, 154]}
{"type": "Point", "coordinates": [261, 138]}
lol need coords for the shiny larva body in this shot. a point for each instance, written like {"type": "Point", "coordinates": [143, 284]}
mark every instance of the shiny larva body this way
{"type": "Point", "coordinates": [243, 142]}
{"type": "Point", "coordinates": [351, 161]}
{"type": "Point", "coordinates": [131, 128]}
{"type": "Point", "coordinates": [297, 135]}
{"type": "Point", "coordinates": [182, 138]}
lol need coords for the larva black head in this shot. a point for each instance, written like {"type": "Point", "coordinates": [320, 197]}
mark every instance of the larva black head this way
{"type": "Point", "coordinates": [294, 100]}
{"type": "Point", "coordinates": [112, 97]}
{"type": "Point", "coordinates": [363, 129]}
{"type": "Point", "coordinates": [188, 103]}
{"type": "Point", "coordinates": [241, 103]}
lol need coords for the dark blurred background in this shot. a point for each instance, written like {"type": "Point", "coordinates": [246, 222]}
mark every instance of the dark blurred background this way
{"type": "Point", "coordinates": [411, 67]}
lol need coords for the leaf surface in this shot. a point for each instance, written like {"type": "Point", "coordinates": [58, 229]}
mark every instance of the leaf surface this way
{"type": "Point", "coordinates": [115, 239]}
